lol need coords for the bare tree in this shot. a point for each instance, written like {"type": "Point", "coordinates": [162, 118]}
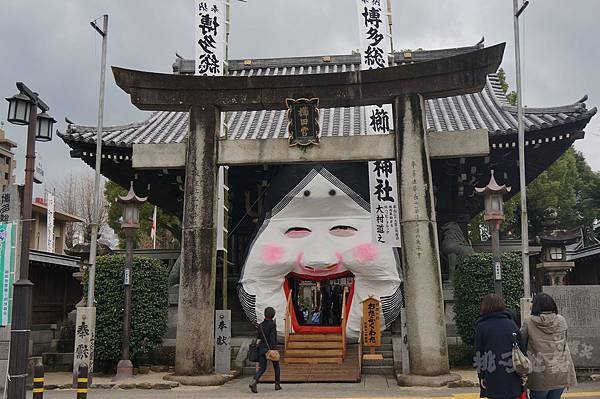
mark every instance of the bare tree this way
{"type": "Point", "coordinates": [75, 195]}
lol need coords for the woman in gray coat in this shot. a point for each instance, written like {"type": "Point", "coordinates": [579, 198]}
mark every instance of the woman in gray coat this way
{"type": "Point", "coordinates": [545, 333]}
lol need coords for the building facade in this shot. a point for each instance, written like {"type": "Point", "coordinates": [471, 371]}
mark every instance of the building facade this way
{"type": "Point", "coordinates": [7, 161]}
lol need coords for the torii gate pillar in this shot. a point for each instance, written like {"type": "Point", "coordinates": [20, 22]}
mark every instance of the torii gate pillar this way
{"type": "Point", "coordinates": [195, 317]}
{"type": "Point", "coordinates": [426, 325]}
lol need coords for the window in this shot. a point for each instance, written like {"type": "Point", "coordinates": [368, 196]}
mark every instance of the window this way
{"type": "Point", "coordinates": [556, 253]}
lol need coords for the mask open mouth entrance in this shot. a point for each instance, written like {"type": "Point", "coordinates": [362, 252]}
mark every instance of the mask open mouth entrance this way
{"type": "Point", "coordinates": [317, 301]}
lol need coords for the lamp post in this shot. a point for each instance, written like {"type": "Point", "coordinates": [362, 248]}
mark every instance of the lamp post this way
{"type": "Point", "coordinates": [23, 110]}
{"type": "Point", "coordinates": [494, 215]}
{"type": "Point", "coordinates": [129, 224]}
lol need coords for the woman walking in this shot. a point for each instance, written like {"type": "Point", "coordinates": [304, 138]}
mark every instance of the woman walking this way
{"type": "Point", "coordinates": [267, 335]}
{"type": "Point", "coordinates": [546, 335]}
{"type": "Point", "coordinates": [493, 350]}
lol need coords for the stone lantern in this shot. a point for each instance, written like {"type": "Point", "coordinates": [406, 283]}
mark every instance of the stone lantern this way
{"type": "Point", "coordinates": [130, 222]}
{"type": "Point", "coordinates": [493, 197]}
{"type": "Point", "coordinates": [554, 263]}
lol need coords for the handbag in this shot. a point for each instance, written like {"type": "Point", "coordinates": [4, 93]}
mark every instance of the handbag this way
{"type": "Point", "coordinates": [253, 351]}
{"type": "Point", "coordinates": [521, 363]}
{"type": "Point", "coordinates": [272, 354]}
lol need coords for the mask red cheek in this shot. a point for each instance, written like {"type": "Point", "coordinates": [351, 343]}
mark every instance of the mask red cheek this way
{"type": "Point", "coordinates": [272, 254]}
{"type": "Point", "coordinates": [365, 253]}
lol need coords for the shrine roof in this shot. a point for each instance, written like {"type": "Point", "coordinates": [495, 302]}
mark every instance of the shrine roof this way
{"type": "Point", "coordinates": [488, 109]}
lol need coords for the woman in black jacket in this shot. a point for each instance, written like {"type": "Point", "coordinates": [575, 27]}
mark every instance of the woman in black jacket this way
{"type": "Point", "coordinates": [267, 338]}
{"type": "Point", "coordinates": [493, 350]}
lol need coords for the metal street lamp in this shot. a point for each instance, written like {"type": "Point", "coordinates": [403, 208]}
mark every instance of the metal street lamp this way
{"type": "Point", "coordinates": [494, 215]}
{"type": "Point", "coordinates": [129, 224]}
{"type": "Point", "coordinates": [19, 107]}
{"type": "Point", "coordinates": [23, 110]}
{"type": "Point", "coordinates": [45, 124]}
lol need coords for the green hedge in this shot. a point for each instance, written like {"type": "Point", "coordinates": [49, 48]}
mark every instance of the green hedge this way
{"type": "Point", "coordinates": [473, 280]}
{"type": "Point", "coordinates": [148, 314]}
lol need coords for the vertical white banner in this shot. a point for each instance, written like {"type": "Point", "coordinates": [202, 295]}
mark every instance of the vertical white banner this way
{"type": "Point", "coordinates": [50, 224]}
{"type": "Point", "coordinates": [211, 49]}
{"type": "Point", "coordinates": [383, 192]}
{"type": "Point", "coordinates": [375, 43]}
{"type": "Point", "coordinates": [210, 28]}
{"type": "Point", "coordinates": [221, 231]}
{"type": "Point", "coordinates": [7, 259]}
{"type": "Point", "coordinates": [374, 48]}
{"type": "Point", "coordinates": [153, 231]}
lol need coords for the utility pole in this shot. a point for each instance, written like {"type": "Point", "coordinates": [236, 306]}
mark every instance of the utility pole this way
{"type": "Point", "coordinates": [517, 11]}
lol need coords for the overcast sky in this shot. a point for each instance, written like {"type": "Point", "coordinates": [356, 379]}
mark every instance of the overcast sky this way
{"type": "Point", "coordinates": [49, 45]}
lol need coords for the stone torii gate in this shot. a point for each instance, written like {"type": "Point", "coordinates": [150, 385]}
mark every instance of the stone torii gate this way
{"type": "Point", "coordinates": [403, 86]}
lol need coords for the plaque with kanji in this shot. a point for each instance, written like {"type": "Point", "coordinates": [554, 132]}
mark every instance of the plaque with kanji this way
{"type": "Point", "coordinates": [303, 121]}
{"type": "Point", "coordinates": [371, 327]}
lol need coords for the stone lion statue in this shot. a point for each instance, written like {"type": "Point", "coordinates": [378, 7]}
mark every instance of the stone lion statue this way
{"type": "Point", "coordinates": [454, 246]}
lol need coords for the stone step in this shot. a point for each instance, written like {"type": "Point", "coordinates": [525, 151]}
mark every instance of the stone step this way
{"type": "Point", "coordinates": [386, 354]}
{"type": "Point", "coordinates": [383, 347]}
{"type": "Point", "coordinates": [384, 362]}
{"type": "Point", "coordinates": [378, 370]}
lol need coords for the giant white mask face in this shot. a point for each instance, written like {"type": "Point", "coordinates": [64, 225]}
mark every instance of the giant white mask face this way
{"type": "Point", "coordinates": [321, 230]}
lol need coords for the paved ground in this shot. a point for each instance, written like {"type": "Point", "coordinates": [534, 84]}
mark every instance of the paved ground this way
{"type": "Point", "coordinates": [370, 387]}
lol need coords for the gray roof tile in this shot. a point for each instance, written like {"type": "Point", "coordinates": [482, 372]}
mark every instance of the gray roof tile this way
{"type": "Point", "coordinates": [488, 109]}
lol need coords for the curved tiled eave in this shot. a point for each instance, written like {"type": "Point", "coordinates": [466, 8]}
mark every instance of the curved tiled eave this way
{"type": "Point", "coordinates": [485, 110]}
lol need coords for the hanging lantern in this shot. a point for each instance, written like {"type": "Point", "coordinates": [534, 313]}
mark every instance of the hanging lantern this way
{"type": "Point", "coordinates": [45, 125]}
{"type": "Point", "coordinates": [19, 107]}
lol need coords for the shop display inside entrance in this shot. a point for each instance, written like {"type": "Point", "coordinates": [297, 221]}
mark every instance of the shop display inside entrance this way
{"type": "Point", "coordinates": [319, 303]}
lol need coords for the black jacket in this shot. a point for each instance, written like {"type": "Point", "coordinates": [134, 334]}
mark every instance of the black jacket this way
{"type": "Point", "coordinates": [270, 333]}
{"type": "Point", "coordinates": [493, 355]}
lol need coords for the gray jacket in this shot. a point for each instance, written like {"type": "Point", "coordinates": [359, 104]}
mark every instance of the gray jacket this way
{"type": "Point", "coordinates": [547, 348]}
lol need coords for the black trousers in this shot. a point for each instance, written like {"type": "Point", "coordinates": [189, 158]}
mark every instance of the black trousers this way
{"type": "Point", "coordinates": [262, 367]}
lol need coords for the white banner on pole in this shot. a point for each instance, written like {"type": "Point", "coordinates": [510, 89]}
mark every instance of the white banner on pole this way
{"type": "Point", "coordinates": [385, 207]}
{"type": "Point", "coordinates": [375, 42]}
{"type": "Point", "coordinates": [221, 206]}
{"type": "Point", "coordinates": [50, 224]}
{"type": "Point", "coordinates": [210, 28]}
{"type": "Point", "coordinates": [211, 42]}
{"type": "Point", "coordinates": [7, 260]}
{"type": "Point", "coordinates": [374, 48]}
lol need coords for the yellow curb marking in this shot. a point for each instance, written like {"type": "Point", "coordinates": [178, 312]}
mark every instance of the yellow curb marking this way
{"type": "Point", "coordinates": [470, 396]}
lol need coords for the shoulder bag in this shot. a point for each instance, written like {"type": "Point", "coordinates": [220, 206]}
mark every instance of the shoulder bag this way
{"type": "Point", "coordinates": [521, 363]}
{"type": "Point", "coordinates": [253, 351]}
{"type": "Point", "coordinates": [272, 354]}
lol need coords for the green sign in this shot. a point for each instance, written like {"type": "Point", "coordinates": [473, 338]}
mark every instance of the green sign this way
{"type": "Point", "coordinates": [8, 240]}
